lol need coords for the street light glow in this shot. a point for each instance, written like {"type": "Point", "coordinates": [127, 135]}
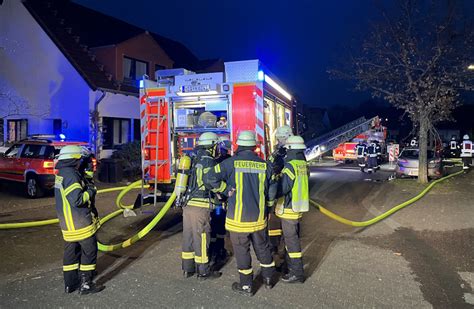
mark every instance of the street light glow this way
{"type": "Point", "coordinates": [470, 67]}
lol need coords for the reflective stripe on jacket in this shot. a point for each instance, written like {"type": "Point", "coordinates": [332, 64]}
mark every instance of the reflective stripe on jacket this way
{"type": "Point", "coordinates": [73, 205]}
{"type": "Point", "coordinates": [245, 177]}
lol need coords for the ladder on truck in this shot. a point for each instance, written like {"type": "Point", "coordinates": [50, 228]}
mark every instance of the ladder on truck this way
{"type": "Point", "coordinates": [327, 142]}
{"type": "Point", "coordinates": [153, 119]}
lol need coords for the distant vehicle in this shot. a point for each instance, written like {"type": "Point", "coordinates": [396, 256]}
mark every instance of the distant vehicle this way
{"type": "Point", "coordinates": [407, 164]}
{"type": "Point", "coordinates": [30, 162]}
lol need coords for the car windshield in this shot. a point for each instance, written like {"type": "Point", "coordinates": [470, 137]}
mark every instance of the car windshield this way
{"type": "Point", "coordinates": [413, 154]}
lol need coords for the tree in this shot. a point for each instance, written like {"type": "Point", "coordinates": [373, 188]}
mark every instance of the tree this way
{"type": "Point", "coordinates": [416, 57]}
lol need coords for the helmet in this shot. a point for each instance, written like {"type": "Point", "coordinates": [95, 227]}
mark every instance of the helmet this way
{"type": "Point", "coordinates": [465, 136]}
{"type": "Point", "coordinates": [283, 132]}
{"type": "Point", "coordinates": [247, 138]}
{"type": "Point", "coordinates": [208, 139]}
{"type": "Point", "coordinates": [70, 152]}
{"type": "Point", "coordinates": [295, 142]}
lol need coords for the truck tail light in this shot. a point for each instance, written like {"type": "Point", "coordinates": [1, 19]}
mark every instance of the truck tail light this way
{"type": "Point", "coordinates": [48, 164]}
{"type": "Point", "coordinates": [94, 164]}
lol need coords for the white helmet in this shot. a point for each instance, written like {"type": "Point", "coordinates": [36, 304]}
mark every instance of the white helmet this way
{"type": "Point", "coordinates": [208, 139]}
{"type": "Point", "coordinates": [295, 142]}
{"type": "Point", "coordinates": [465, 137]}
{"type": "Point", "coordinates": [283, 132]}
{"type": "Point", "coordinates": [247, 138]}
{"type": "Point", "coordinates": [70, 152]}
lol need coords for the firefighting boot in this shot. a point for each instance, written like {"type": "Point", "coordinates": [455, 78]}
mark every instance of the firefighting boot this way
{"type": "Point", "coordinates": [88, 287]}
{"type": "Point", "coordinates": [242, 289]}
{"type": "Point", "coordinates": [210, 275]}
{"type": "Point", "coordinates": [268, 282]}
{"type": "Point", "coordinates": [70, 288]}
{"type": "Point", "coordinates": [188, 274]}
{"type": "Point", "coordinates": [291, 278]}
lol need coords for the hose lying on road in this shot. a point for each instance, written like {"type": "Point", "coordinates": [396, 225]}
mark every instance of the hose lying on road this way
{"type": "Point", "coordinates": [385, 214]}
{"type": "Point", "coordinates": [105, 247]}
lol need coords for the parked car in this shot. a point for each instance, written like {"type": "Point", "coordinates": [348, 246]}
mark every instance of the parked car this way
{"type": "Point", "coordinates": [407, 164]}
{"type": "Point", "coordinates": [30, 162]}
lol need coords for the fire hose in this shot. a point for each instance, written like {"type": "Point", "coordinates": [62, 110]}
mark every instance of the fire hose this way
{"type": "Point", "coordinates": [182, 178]}
{"type": "Point", "coordinates": [384, 215]}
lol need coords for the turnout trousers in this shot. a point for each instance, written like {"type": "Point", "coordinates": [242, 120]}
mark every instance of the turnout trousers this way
{"type": "Point", "coordinates": [79, 258]}
{"type": "Point", "coordinates": [291, 237]}
{"type": "Point", "coordinates": [261, 246]}
{"type": "Point", "coordinates": [218, 232]}
{"type": "Point", "coordinates": [274, 231]}
{"type": "Point", "coordinates": [196, 239]}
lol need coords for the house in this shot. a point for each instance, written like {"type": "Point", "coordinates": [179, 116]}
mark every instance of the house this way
{"type": "Point", "coordinates": [67, 69]}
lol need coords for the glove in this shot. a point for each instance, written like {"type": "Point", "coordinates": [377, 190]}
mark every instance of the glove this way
{"type": "Point", "coordinates": [92, 190]}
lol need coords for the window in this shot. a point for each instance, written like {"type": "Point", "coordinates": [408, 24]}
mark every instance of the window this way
{"type": "Point", "coordinates": [33, 151]}
{"type": "Point", "coordinates": [134, 69]}
{"type": "Point", "coordinates": [136, 130]}
{"type": "Point", "coordinates": [116, 132]}
{"type": "Point", "coordinates": [17, 129]}
{"type": "Point", "coordinates": [12, 152]}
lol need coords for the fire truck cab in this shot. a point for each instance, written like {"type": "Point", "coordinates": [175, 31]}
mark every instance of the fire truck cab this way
{"type": "Point", "coordinates": [179, 105]}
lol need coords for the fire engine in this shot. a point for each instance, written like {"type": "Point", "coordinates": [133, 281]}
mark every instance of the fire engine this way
{"type": "Point", "coordinates": [179, 105]}
{"type": "Point", "coordinates": [347, 151]}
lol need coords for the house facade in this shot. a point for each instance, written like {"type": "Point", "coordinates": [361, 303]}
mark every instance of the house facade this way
{"type": "Point", "coordinates": [64, 72]}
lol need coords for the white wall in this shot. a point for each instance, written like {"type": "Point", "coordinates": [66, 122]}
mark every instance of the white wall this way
{"type": "Point", "coordinates": [36, 73]}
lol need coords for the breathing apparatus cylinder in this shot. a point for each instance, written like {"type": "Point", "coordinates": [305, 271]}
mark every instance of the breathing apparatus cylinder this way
{"type": "Point", "coordinates": [182, 176]}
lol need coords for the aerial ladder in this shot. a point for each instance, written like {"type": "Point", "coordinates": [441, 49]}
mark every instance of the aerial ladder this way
{"type": "Point", "coordinates": [327, 142]}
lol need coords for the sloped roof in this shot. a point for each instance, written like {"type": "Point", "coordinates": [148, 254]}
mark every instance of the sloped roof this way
{"type": "Point", "coordinates": [75, 28]}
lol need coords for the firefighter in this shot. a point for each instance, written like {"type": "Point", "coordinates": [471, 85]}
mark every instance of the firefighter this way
{"type": "Point", "coordinates": [217, 249]}
{"type": "Point", "coordinates": [246, 180]}
{"type": "Point", "coordinates": [196, 213]}
{"type": "Point", "coordinates": [294, 183]}
{"type": "Point", "coordinates": [453, 147]}
{"type": "Point", "coordinates": [378, 150]}
{"type": "Point", "coordinates": [78, 222]}
{"type": "Point", "coordinates": [361, 155]}
{"type": "Point", "coordinates": [466, 152]}
{"type": "Point", "coordinates": [277, 162]}
{"type": "Point", "coordinates": [371, 157]}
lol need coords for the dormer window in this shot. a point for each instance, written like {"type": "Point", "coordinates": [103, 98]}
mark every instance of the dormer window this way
{"type": "Point", "coordinates": [133, 69]}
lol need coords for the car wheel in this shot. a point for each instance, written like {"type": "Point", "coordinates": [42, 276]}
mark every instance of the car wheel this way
{"type": "Point", "coordinates": [33, 190]}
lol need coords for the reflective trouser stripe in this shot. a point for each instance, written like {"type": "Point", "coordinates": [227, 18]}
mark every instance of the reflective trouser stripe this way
{"type": "Point", "coordinates": [87, 267]}
{"type": "Point", "coordinates": [295, 255]}
{"type": "Point", "coordinates": [70, 267]}
{"type": "Point", "coordinates": [204, 248]}
{"type": "Point", "coordinates": [272, 264]}
{"type": "Point", "coordinates": [275, 232]}
{"type": "Point", "coordinates": [201, 259]}
{"type": "Point", "coordinates": [246, 271]}
{"type": "Point", "coordinates": [187, 255]}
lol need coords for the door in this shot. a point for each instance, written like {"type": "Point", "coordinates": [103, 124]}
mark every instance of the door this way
{"type": "Point", "coordinates": [9, 164]}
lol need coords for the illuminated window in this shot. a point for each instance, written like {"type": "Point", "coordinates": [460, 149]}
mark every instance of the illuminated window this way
{"type": "Point", "coordinates": [17, 129]}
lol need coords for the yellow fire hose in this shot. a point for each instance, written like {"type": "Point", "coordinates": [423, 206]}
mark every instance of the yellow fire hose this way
{"type": "Point", "coordinates": [385, 214]}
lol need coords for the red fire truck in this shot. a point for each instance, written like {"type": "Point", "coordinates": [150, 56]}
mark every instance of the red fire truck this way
{"type": "Point", "coordinates": [347, 151]}
{"type": "Point", "coordinates": [179, 105]}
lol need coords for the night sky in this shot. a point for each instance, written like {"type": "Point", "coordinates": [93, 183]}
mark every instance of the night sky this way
{"type": "Point", "coordinates": [297, 40]}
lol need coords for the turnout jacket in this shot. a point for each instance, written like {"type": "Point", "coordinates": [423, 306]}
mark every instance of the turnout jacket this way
{"type": "Point", "coordinates": [73, 205]}
{"type": "Point", "coordinates": [198, 194]}
{"type": "Point", "coordinates": [294, 186]}
{"type": "Point", "coordinates": [246, 180]}
{"type": "Point", "coordinates": [277, 160]}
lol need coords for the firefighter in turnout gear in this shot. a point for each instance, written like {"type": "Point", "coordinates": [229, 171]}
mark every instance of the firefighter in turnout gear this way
{"type": "Point", "coordinates": [295, 190]}
{"type": "Point", "coordinates": [218, 253]}
{"type": "Point", "coordinates": [196, 213]}
{"type": "Point", "coordinates": [453, 148]}
{"type": "Point", "coordinates": [371, 157]}
{"type": "Point", "coordinates": [361, 153]}
{"type": "Point", "coordinates": [246, 180]}
{"type": "Point", "coordinates": [466, 152]}
{"type": "Point", "coordinates": [277, 161]}
{"type": "Point", "coordinates": [77, 220]}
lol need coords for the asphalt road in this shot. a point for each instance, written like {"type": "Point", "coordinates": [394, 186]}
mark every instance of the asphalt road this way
{"type": "Point", "coordinates": [420, 257]}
